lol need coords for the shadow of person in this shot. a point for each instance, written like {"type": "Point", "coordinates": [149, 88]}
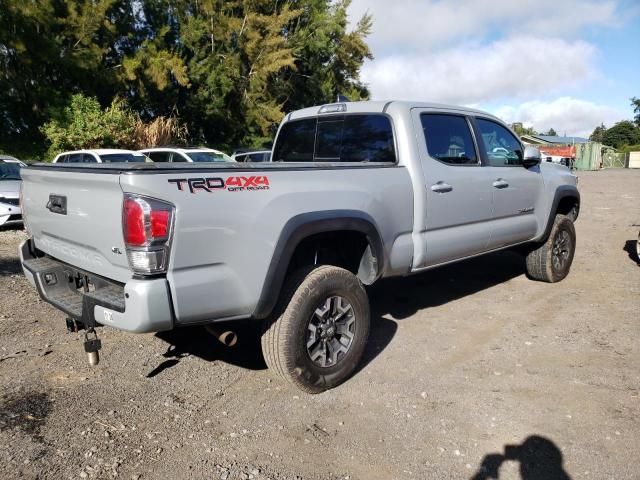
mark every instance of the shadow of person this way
{"type": "Point", "coordinates": [630, 246]}
{"type": "Point", "coordinates": [539, 458]}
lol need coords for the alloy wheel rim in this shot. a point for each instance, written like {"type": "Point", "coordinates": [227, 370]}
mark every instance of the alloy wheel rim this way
{"type": "Point", "coordinates": [330, 331]}
{"type": "Point", "coordinates": [561, 250]}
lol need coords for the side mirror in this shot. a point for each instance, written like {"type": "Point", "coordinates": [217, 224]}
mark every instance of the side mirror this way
{"type": "Point", "coordinates": [531, 157]}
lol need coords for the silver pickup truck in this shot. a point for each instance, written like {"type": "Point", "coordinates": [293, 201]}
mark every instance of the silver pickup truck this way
{"type": "Point", "coordinates": [356, 192]}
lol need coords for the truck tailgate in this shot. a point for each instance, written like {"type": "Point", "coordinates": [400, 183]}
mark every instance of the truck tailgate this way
{"type": "Point", "coordinates": [76, 217]}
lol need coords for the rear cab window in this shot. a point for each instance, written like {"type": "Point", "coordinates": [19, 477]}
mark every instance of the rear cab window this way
{"type": "Point", "coordinates": [336, 138]}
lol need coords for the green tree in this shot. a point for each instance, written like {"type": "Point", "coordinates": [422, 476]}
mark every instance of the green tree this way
{"type": "Point", "coordinates": [551, 132]}
{"type": "Point", "coordinates": [229, 68]}
{"type": "Point", "coordinates": [84, 124]}
{"type": "Point", "coordinates": [635, 103]}
{"type": "Point", "coordinates": [521, 130]}
{"type": "Point", "coordinates": [622, 133]}
{"type": "Point", "coordinates": [50, 49]}
{"type": "Point", "coordinates": [598, 134]}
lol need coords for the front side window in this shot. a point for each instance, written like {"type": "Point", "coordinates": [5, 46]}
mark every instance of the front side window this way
{"type": "Point", "coordinates": [449, 139]}
{"type": "Point", "coordinates": [75, 158]}
{"type": "Point", "coordinates": [501, 146]}
{"type": "Point", "coordinates": [336, 138]}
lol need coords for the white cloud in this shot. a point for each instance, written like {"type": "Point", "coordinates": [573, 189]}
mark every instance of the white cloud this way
{"type": "Point", "coordinates": [418, 25]}
{"type": "Point", "coordinates": [564, 114]}
{"type": "Point", "coordinates": [518, 67]}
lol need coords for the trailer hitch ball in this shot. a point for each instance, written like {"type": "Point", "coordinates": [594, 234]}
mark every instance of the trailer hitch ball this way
{"type": "Point", "coordinates": [92, 345]}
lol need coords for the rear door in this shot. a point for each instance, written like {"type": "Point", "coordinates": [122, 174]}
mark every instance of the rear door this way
{"type": "Point", "coordinates": [76, 217]}
{"type": "Point", "coordinates": [515, 189]}
{"type": "Point", "coordinates": [458, 192]}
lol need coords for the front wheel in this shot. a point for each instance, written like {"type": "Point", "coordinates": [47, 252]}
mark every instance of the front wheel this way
{"type": "Point", "coordinates": [317, 342]}
{"type": "Point", "coordinates": [551, 261]}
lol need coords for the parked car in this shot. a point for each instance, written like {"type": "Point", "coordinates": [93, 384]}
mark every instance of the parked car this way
{"type": "Point", "coordinates": [187, 154]}
{"type": "Point", "coordinates": [10, 211]}
{"type": "Point", "coordinates": [101, 155]}
{"type": "Point", "coordinates": [10, 159]}
{"type": "Point", "coordinates": [252, 156]}
{"type": "Point", "coordinates": [357, 192]}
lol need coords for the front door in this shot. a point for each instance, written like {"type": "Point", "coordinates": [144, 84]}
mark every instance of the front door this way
{"type": "Point", "coordinates": [515, 189]}
{"type": "Point", "coordinates": [458, 192]}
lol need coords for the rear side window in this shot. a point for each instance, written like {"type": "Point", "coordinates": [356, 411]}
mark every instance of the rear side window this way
{"type": "Point", "coordinates": [75, 158]}
{"type": "Point", "coordinates": [336, 138]}
{"type": "Point", "coordinates": [449, 139]}
{"type": "Point", "coordinates": [178, 158]}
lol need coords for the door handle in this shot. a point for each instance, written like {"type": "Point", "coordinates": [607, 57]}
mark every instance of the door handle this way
{"type": "Point", "coordinates": [57, 204]}
{"type": "Point", "coordinates": [500, 183]}
{"type": "Point", "coordinates": [441, 187]}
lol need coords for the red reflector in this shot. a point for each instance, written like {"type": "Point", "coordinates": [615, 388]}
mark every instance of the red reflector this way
{"type": "Point", "coordinates": [159, 223]}
{"type": "Point", "coordinates": [133, 223]}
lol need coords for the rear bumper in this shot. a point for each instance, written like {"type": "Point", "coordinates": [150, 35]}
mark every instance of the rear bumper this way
{"type": "Point", "coordinates": [137, 306]}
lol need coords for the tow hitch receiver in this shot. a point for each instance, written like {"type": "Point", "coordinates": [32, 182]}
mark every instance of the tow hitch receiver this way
{"type": "Point", "coordinates": [92, 346]}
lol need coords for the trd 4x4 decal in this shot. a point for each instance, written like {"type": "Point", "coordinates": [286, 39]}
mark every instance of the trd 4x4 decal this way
{"type": "Point", "coordinates": [232, 184]}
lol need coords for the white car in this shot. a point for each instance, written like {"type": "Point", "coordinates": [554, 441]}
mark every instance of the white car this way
{"type": "Point", "coordinates": [100, 155]}
{"type": "Point", "coordinates": [10, 159]}
{"type": "Point", "coordinates": [10, 211]}
{"type": "Point", "coordinates": [188, 154]}
{"type": "Point", "coordinates": [252, 156]}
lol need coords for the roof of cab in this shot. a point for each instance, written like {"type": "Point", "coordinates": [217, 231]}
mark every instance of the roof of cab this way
{"type": "Point", "coordinates": [380, 106]}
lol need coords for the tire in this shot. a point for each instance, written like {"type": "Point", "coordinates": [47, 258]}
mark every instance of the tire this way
{"type": "Point", "coordinates": [551, 261]}
{"type": "Point", "coordinates": [320, 307]}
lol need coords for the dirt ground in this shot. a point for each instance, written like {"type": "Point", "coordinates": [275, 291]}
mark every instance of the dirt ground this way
{"type": "Point", "coordinates": [472, 372]}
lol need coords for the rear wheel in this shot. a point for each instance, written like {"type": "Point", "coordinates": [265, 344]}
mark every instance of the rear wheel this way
{"type": "Point", "coordinates": [551, 261]}
{"type": "Point", "coordinates": [318, 340]}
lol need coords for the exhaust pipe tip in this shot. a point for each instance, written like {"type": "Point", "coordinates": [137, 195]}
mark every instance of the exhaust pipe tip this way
{"type": "Point", "coordinates": [227, 337]}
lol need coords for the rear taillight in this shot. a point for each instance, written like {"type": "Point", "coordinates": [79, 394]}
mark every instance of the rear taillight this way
{"type": "Point", "coordinates": [147, 227]}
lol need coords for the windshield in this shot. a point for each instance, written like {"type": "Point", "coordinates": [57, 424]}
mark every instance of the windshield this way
{"type": "Point", "coordinates": [9, 171]}
{"type": "Point", "coordinates": [209, 157]}
{"type": "Point", "coordinates": [122, 157]}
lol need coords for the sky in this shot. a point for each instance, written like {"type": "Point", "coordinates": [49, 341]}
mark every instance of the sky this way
{"type": "Point", "coordinates": [569, 65]}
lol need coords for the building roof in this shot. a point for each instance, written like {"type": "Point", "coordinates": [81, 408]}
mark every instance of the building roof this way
{"type": "Point", "coordinates": [560, 140]}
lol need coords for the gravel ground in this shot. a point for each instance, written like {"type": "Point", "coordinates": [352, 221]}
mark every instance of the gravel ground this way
{"type": "Point", "coordinates": [472, 371]}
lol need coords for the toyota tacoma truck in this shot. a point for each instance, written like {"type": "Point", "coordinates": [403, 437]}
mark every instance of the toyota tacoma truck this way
{"type": "Point", "coordinates": [356, 192]}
